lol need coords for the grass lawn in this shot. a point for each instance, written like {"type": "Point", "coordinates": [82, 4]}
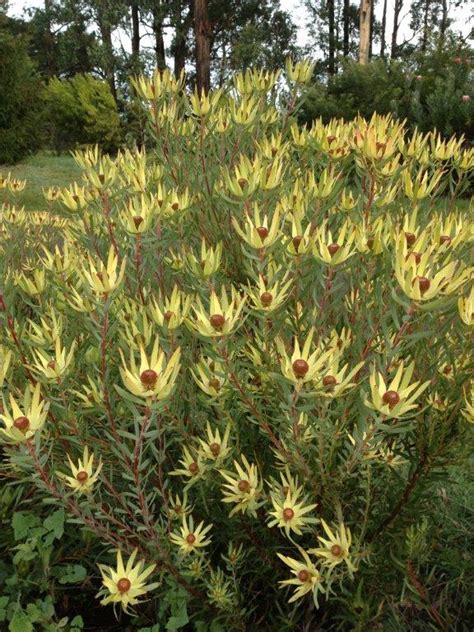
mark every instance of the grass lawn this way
{"type": "Point", "coordinates": [41, 171]}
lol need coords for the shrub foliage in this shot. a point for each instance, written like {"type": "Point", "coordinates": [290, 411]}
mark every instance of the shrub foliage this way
{"type": "Point", "coordinates": [81, 111]}
{"type": "Point", "coordinates": [236, 369]}
{"type": "Point", "coordinates": [20, 100]}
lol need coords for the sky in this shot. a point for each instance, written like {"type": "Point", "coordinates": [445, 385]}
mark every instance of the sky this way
{"type": "Point", "coordinates": [463, 18]}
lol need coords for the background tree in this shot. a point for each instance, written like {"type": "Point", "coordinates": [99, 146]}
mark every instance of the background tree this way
{"type": "Point", "coordinates": [365, 30]}
{"type": "Point", "coordinates": [202, 33]}
{"type": "Point", "coordinates": [20, 98]}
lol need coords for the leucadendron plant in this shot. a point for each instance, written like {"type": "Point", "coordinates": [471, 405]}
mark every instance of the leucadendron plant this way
{"type": "Point", "coordinates": [240, 358]}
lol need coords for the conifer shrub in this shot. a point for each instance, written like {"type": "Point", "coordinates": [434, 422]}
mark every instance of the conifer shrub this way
{"type": "Point", "coordinates": [235, 369]}
{"type": "Point", "coordinates": [81, 111]}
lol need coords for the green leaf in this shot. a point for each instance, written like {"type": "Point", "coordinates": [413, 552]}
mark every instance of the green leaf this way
{"type": "Point", "coordinates": [77, 624]}
{"type": "Point", "coordinates": [22, 522]}
{"type": "Point", "coordinates": [179, 617]}
{"type": "Point", "coordinates": [72, 574]}
{"type": "Point", "coordinates": [3, 606]}
{"type": "Point", "coordinates": [20, 622]}
{"type": "Point", "coordinates": [55, 523]}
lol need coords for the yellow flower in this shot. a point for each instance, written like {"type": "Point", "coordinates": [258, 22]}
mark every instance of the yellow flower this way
{"type": "Point", "coordinates": [335, 549]}
{"type": "Point", "coordinates": [47, 331]}
{"type": "Point", "coordinates": [259, 232]}
{"type": "Point", "coordinates": [299, 71]}
{"type": "Point", "coordinates": [179, 507]}
{"type": "Point", "coordinates": [347, 202]}
{"type": "Point", "coordinates": [176, 202]}
{"type": "Point", "coordinates": [330, 250]}
{"type": "Point", "coordinates": [104, 279]}
{"type": "Point", "coordinates": [303, 366]}
{"type": "Point", "coordinates": [138, 214]}
{"type": "Point", "coordinates": [161, 84]}
{"type": "Point", "coordinates": [223, 317]}
{"type": "Point", "coordinates": [125, 584]}
{"type": "Point", "coordinates": [5, 359]}
{"type": "Point", "coordinates": [33, 286]}
{"type": "Point", "coordinates": [208, 262]}
{"type": "Point", "coordinates": [138, 327]}
{"type": "Point", "coordinates": [300, 240]}
{"type": "Point", "coordinates": [325, 185]}
{"type": "Point", "coordinates": [192, 467]}
{"type": "Point", "coordinates": [215, 448]}
{"type": "Point", "coordinates": [271, 175]}
{"type": "Point", "coordinates": [423, 276]}
{"type": "Point", "coordinates": [268, 298]}
{"type": "Point", "coordinates": [54, 368]}
{"type": "Point", "coordinates": [399, 396]}
{"type": "Point", "coordinates": [22, 423]}
{"type": "Point", "coordinates": [219, 590]}
{"type": "Point", "coordinates": [365, 446]}
{"type": "Point", "coordinates": [153, 378]}
{"type": "Point", "coordinates": [373, 239]}
{"type": "Point", "coordinates": [202, 104]}
{"type": "Point", "coordinates": [255, 80]}
{"type": "Point", "coordinates": [244, 112]}
{"type": "Point", "coordinates": [74, 198]}
{"type": "Point", "coordinates": [388, 456]}
{"type": "Point", "coordinates": [191, 539]}
{"type": "Point", "coordinates": [466, 308]}
{"type": "Point", "coordinates": [51, 194]}
{"type": "Point", "coordinates": [242, 488]}
{"type": "Point", "coordinates": [468, 412]}
{"type": "Point", "coordinates": [420, 187]}
{"type": "Point", "coordinates": [171, 312]}
{"type": "Point", "coordinates": [301, 431]}
{"type": "Point", "coordinates": [211, 377]}
{"type": "Point", "coordinates": [245, 178]}
{"type": "Point", "coordinates": [92, 394]}
{"type": "Point", "coordinates": [333, 380]}
{"type": "Point", "coordinates": [289, 513]}
{"type": "Point", "coordinates": [306, 576]}
{"type": "Point", "coordinates": [59, 261]}
{"type": "Point", "coordinates": [83, 476]}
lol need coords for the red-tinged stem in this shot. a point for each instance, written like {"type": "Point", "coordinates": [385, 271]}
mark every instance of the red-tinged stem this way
{"type": "Point", "coordinates": [102, 530]}
{"type": "Point", "coordinates": [410, 486]}
{"type": "Point", "coordinates": [24, 362]}
{"type": "Point", "coordinates": [137, 457]}
{"type": "Point", "coordinates": [103, 374]}
{"type": "Point", "coordinates": [138, 262]}
{"type": "Point", "coordinates": [106, 210]}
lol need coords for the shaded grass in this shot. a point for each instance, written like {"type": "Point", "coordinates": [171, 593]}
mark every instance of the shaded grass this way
{"type": "Point", "coordinates": [41, 171]}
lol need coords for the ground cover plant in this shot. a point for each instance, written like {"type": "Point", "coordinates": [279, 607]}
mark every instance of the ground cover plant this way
{"type": "Point", "coordinates": [235, 374]}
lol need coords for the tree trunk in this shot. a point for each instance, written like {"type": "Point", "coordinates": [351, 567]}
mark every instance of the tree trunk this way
{"type": "Point", "coordinates": [332, 38]}
{"type": "Point", "coordinates": [365, 13]}
{"type": "Point", "coordinates": [396, 17]}
{"type": "Point", "coordinates": [345, 40]}
{"type": "Point", "coordinates": [135, 36]}
{"type": "Point", "coordinates": [180, 38]}
{"type": "Point", "coordinates": [203, 48]}
{"type": "Point", "coordinates": [158, 16]}
{"type": "Point", "coordinates": [50, 65]}
{"type": "Point", "coordinates": [424, 37]}
{"type": "Point", "coordinates": [443, 27]}
{"type": "Point", "coordinates": [384, 28]}
{"type": "Point", "coordinates": [372, 26]}
{"type": "Point", "coordinates": [109, 59]}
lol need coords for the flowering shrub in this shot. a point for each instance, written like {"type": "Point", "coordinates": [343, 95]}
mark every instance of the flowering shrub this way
{"type": "Point", "coordinates": [240, 362]}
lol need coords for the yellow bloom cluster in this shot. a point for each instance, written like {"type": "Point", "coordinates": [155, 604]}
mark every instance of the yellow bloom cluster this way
{"type": "Point", "coordinates": [211, 350]}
